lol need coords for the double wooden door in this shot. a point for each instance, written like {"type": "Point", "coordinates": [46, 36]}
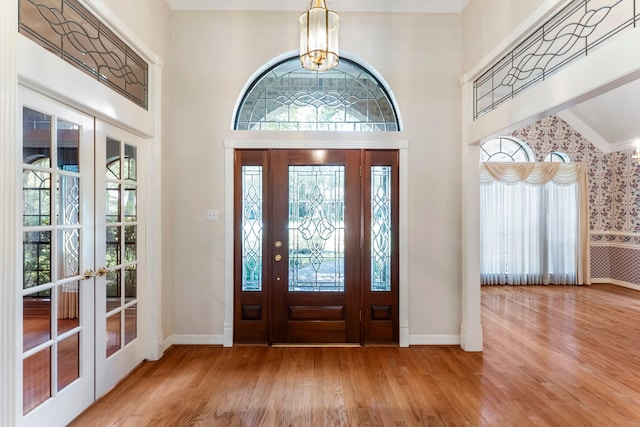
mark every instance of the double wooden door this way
{"type": "Point", "coordinates": [82, 258]}
{"type": "Point", "coordinates": [316, 257]}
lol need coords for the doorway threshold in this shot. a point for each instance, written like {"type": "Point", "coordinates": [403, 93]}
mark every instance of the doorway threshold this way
{"type": "Point", "coordinates": [306, 345]}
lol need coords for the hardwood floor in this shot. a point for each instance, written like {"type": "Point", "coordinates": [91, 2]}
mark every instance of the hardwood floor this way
{"type": "Point", "coordinates": [553, 356]}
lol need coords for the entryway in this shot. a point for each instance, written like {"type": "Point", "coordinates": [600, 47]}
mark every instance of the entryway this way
{"type": "Point", "coordinates": [315, 246]}
{"type": "Point", "coordinates": [82, 257]}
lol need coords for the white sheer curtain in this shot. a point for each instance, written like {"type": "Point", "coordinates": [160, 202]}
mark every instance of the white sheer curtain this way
{"type": "Point", "coordinates": [534, 224]}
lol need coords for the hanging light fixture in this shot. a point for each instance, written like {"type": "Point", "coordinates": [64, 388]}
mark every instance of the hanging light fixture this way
{"type": "Point", "coordinates": [319, 37]}
{"type": "Point", "coordinates": [636, 154]}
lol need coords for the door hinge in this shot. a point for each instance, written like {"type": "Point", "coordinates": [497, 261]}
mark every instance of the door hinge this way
{"type": "Point", "coordinates": [360, 171]}
{"type": "Point", "coordinates": [360, 315]}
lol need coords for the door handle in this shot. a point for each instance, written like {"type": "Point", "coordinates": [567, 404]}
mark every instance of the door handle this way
{"type": "Point", "coordinates": [88, 274]}
{"type": "Point", "coordinates": [102, 271]}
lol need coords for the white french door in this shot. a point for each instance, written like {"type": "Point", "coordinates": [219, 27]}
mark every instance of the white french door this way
{"type": "Point", "coordinates": [81, 248]}
{"type": "Point", "coordinates": [119, 252]}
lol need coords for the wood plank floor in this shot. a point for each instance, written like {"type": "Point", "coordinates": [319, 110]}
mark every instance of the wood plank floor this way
{"type": "Point", "coordinates": [554, 356]}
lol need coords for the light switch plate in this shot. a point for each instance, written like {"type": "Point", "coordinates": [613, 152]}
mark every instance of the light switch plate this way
{"type": "Point", "coordinates": [212, 215]}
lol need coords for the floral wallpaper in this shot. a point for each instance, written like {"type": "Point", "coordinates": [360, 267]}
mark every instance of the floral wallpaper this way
{"type": "Point", "coordinates": [614, 180]}
{"type": "Point", "coordinates": [614, 195]}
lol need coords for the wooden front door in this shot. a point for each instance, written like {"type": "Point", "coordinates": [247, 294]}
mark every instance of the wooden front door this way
{"type": "Point", "coordinates": [314, 258]}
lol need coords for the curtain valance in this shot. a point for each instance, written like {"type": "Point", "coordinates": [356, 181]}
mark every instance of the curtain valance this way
{"type": "Point", "coordinates": [532, 173]}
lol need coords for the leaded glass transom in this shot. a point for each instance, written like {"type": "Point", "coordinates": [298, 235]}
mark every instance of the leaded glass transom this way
{"type": "Point", "coordinates": [316, 228]}
{"type": "Point", "coordinates": [381, 228]}
{"type": "Point", "coordinates": [289, 97]}
{"type": "Point", "coordinates": [252, 228]}
{"type": "Point", "coordinates": [70, 31]}
{"type": "Point", "coordinates": [506, 149]}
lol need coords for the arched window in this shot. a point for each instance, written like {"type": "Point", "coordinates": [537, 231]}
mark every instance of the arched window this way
{"type": "Point", "coordinates": [557, 156]}
{"type": "Point", "coordinates": [506, 149]}
{"type": "Point", "coordinates": [289, 97]}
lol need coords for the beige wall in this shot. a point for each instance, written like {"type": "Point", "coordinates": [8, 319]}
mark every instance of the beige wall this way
{"type": "Point", "coordinates": [150, 20]}
{"type": "Point", "coordinates": [486, 23]}
{"type": "Point", "coordinates": [215, 54]}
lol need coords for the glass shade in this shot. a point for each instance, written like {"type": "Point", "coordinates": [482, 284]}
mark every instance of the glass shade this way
{"type": "Point", "coordinates": [319, 37]}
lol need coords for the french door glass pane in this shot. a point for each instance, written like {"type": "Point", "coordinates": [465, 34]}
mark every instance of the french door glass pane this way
{"type": "Point", "coordinates": [68, 307]}
{"type": "Point", "coordinates": [68, 208]}
{"type": "Point", "coordinates": [36, 321]}
{"type": "Point", "coordinates": [68, 146]}
{"type": "Point", "coordinates": [130, 324]}
{"type": "Point", "coordinates": [68, 360]}
{"type": "Point", "coordinates": [316, 228]}
{"type": "Point", "coordinates": [36, 140]}
{"type": "Point", "coordinates": [113, 334]}
{"type": "Point", "coordinates": [380, 228]}
{"type": "Point", "coordinates": [36, 379]}
{"type": "Point", "coordinates": [252, 228]}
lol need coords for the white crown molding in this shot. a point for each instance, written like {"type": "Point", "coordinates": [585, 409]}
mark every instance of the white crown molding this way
{"type": "Point", "coordinates": [408, 6]}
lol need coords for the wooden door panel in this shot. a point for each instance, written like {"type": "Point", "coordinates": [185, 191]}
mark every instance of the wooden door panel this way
{"type": "Point", "coordinates": [316, 315]}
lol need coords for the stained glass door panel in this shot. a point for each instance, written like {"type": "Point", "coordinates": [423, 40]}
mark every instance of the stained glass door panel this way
{"type": "Point", "coordinates": [315, 246]}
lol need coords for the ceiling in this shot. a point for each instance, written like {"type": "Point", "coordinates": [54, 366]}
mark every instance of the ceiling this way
{"type": "Point", "coordinates": [413, 6]}
{"type": "Point", "coordinates": [609, 121]}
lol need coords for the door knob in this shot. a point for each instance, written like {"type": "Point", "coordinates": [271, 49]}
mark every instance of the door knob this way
{"type": "Point", "coordinates": [88, 274]}
{"type": "Point", "coordinates": [102, 271]}
{"type": "Point", "coordinates": [278, 257]}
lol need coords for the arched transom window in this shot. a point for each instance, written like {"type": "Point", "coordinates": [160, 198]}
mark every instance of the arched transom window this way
{"type": "Point", "coordinates": [506, 149]}
{"type": "Point", "coordinates": [289, 97]}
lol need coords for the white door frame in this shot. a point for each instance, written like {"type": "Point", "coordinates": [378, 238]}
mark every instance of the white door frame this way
{"type": "Point", "coordinates": [321, 143]}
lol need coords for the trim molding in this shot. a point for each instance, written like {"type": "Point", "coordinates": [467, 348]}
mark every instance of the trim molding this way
{"type": "Point", "coordinates": [10, 299]}
{"type": "Point", "coordinates": [615, 282]}
{"type": "Point", "coordinates": [195, 340]}
{"type": "Point", "coordinates": [434, 339]}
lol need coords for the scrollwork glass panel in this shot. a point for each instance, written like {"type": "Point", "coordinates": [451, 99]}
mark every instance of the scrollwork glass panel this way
{"type": "Point", "coordinates": [70, 31]}
{"type": "Point", "coordinates": [252, 228]}
{"type": "Point", "coordinates": [381, 228]}
{"type": "Point", "coordinates": [316, 228]}
{"type": "Point", "coordinates": [68, 200]}
{"type": "Point", "coordinates": [68, 253]}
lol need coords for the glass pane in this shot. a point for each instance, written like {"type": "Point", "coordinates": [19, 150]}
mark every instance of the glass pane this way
{"type": "Point", "coordinates": [113, 291]}
{"type": "Point", "coordinates": [113, 334]}
{"type": "Point", "coordinates": [380, 228]}
{"type": "Point", "coordinates": [36, 258]}
{"type": "Point", "coordinates": [130, 243]}
{"type": "Point", "coordinates": [68, 307]}
{"type": "Point", "coordinates": [113, 202]}
{"type": "Point", "coordinates": [130, 324]}
{"type": "Point", "coordinates": [36, 194]}
{"type": "Point", "coordinates": [113, 159]}
{"type": "Point", "coordinates": [130, 203]}
{"type": "Point", "coordinates": [36, 380]}
{"type": "Point", "coordinates": [130, 163]}
{"type": "Point", "coordinates": [252, 228]}
{"type": "Point", "coordinates": [69, 200]}
{"type": "Point", "coordinates": [36, 321]}
{"type": "Point", "coordinates": [68, 146]}
{"type": "Point", "coordinates": [36, 136]}
{"type": "Point", "coordinates": [112, 255]}
{"type": "Point", "coordinates": [130, 284]}
{"type": "Point", "coordinates": [68, 253]}
{"type": "Point", "coordinates": [68, 360]}
{"type": "Point", "coordinates": [316, 228]}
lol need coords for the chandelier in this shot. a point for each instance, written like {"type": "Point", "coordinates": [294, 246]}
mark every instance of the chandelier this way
{"type": "Point", "coordinates": [319, 37]}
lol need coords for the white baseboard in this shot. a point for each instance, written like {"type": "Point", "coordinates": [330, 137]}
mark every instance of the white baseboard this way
{"type": "Point", "coordinates": [197, 340]}
{"type": "Point", "coordinates": [434, 340]}
{"type": "Point", "coordinates": [617, 283]}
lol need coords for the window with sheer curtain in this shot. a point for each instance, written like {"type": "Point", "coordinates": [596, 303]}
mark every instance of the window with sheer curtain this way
{"type": "Point", "coordinates": [534, 223]}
